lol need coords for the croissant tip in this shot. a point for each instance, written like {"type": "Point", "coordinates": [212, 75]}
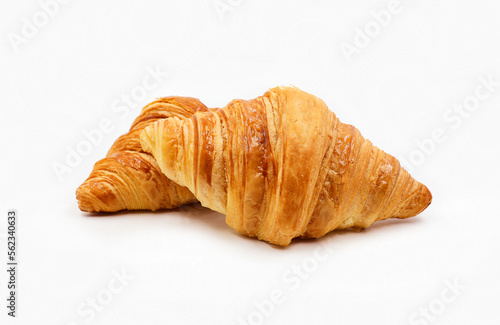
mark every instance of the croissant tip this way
{"type": "Point", "coordinates": [427, 195]}
{"type": "Point", "coordinates": [421, 201]}
{"type": "Point", "coordinates": [83, 199]}
{"type": "Point", "coordinates": [105, 201]}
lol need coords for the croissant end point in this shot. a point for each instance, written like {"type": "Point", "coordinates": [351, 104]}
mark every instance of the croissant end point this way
{"type": "Point", "coordinates": [96, 197]}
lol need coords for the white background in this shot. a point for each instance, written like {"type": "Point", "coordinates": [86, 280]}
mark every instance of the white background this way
{"type": "Point", "coordinates": [399, 87]}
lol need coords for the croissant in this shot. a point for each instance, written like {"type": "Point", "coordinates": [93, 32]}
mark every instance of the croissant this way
{"type": "Point", "coordinates": [282, 166]}
{"type": "Point", "coordinates": [128, 178]}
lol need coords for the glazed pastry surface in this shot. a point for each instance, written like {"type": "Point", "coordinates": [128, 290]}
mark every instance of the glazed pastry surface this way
{"type": "Point", "coordinates": [282, 166]}
{"type": "Point", "coordinates": [129, 178]}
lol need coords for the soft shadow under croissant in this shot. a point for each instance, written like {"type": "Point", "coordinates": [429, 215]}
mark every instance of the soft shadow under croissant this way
{"type": "Point", "coordinates": [282, 166]}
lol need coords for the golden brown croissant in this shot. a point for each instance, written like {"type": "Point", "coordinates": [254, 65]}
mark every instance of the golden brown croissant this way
{"type": "Point", "coordinates": [129, 178]}
{"type": "Point", "coordinates": [282, 166]}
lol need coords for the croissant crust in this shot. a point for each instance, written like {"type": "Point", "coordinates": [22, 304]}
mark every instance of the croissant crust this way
{"type": "Point", "coordinates": [282, 166]}
{"type": "Point", "coordinates": [129, 178]}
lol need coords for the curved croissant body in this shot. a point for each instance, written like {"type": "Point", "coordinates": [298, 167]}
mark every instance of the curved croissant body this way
{"type": "Point", "coordinates": [282, 166]}
{"type": "Point", "coordinates": [128, 178]}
